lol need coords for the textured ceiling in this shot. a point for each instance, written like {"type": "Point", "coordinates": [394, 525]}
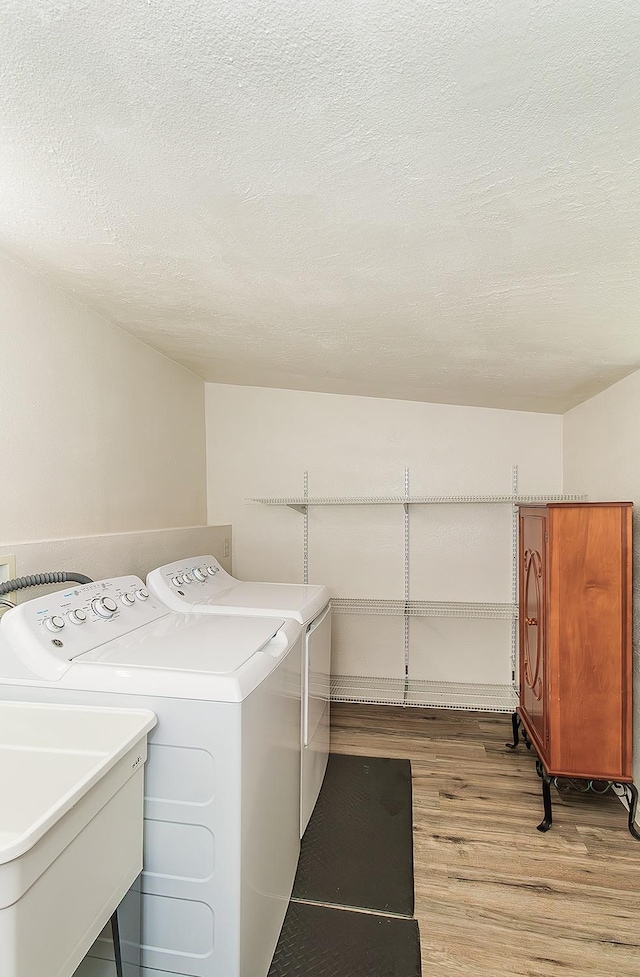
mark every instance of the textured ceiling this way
{"type": "Point", "coordinates": [427, 199]}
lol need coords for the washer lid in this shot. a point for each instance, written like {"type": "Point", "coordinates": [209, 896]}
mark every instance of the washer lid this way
{"type": "Point", "coordinates": [302, 602]}
{"type": "Point", "coordinates": [218, 645]}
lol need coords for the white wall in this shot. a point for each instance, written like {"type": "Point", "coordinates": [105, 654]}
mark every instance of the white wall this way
{"type": "Point", "coordinates": [112, 554]}
{"type": "Point", "coordinates": [101, 440]}
{"type": "Point", "coordinates": [602, 456]}
{"type": "Point", "coordinates": [99, 433]}
{"type": "Point", "coordinates": [259, 442]}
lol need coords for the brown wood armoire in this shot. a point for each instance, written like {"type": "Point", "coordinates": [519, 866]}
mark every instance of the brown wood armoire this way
{"type": "Point", "coordinates": [575, 604]}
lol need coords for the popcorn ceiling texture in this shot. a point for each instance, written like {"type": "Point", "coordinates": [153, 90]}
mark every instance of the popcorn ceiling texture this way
{"type": "Point", "coordinates": [427, 199]}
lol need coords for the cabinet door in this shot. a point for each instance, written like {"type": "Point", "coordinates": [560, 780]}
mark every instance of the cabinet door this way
{"type": "Point", "coordinates": [533, 623]}
{"type": "Point", "coordinates": [590, 640]}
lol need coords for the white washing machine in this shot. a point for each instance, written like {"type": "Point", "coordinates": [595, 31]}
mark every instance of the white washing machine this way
{"type": "Point", "coordinates": [222, 780]}
{"type": "Point", "coordinates": [199, 584]}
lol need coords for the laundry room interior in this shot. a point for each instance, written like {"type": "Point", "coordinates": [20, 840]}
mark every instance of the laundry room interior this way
{"type": "Point", "coordinates": [340, 297]}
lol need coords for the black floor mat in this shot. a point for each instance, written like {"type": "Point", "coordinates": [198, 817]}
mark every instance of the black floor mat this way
{"type": "Point", "coordinates": [320, 942]}
{"type": "Point", "coordinates": [358, 847]}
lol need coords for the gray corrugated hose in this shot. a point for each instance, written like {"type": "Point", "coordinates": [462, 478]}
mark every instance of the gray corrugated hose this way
{"type": "Point", "coordinates": [39, 579]}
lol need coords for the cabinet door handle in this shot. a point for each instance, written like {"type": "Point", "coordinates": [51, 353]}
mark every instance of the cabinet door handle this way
{"type": "Point", "coordinates": [531, 620]}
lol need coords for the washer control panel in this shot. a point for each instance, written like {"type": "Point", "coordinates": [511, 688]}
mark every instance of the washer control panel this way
{"type": "Point", "coordinates": [70, 622]}
{"type": "Point", "coordinates": [189, 581]}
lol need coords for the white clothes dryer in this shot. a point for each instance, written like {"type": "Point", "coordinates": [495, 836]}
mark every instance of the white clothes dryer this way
{"type": "Point", "coordinates": [221, 815]}
{"type": "Point", "coordinates": [199, 584]}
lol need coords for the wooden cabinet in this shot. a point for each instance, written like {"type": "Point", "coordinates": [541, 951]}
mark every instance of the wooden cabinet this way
{"type": "Point", "coordinates": [575, 637]}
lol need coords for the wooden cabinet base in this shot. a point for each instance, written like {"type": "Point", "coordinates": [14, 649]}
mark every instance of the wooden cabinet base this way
{"type": "Point", "coordinates": [581, 784]}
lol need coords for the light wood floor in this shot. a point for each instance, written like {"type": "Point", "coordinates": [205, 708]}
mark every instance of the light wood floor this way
{"type": "Point", "coordinates": [495, 897]}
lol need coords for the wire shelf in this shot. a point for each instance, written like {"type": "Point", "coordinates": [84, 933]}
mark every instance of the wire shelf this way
{"type": "Point", "coordinates": [468, 696]}
{"type": "Point", "coordinates": [424, 608]}
{"type": "Point", "coordinates": [301, 501]}
{"type": "Point", "coordinates": [403, 690]}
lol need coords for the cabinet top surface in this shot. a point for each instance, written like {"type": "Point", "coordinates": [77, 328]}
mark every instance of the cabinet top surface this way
{"type": "Point", "coordinates": [573, 505]}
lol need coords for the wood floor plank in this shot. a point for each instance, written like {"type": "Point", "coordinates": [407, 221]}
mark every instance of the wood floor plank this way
{"type": "Point", "coordinates": [495, 897]}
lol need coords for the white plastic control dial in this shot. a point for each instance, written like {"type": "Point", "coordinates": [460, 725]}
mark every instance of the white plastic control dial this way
{"type": "Point", "coordinates": [187, 578]}
{"type": "Point", "coordinates": [55, 623]}
{"type": "Point", "coordinates": [104, 606]}
{"type": "Point", "coordinates": [142, 594]}
{"type": "Point", "coordinates": [177, 581]}
{"type": "Point", "coordinates": [128, 599]}
{"type": "Point", "coordinates": [200, 574]}
{"type": "Point", "coordinates": [212, 571]}
{"type": "Point", "coordinates": [77, 617]}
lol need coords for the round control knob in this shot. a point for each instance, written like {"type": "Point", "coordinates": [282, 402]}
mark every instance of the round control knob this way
{"type": "Point", "coordinates": [142, 594]}
{"type": "Point", "coordinates": [212, 571]}
{"type": "Point", "coordinates": [55, 623]}
{"type": "Point", "coordinates": [177, 581]}
{"type": "Point", "coordinates": [200, 574]}
{"type": "Point", "coordinates": [187, 578]}
{"type": "Point", "coordinates": [77, 617]}
{"type": "Point", "coordinates": [128, 599]}
{"type": "Point", "coordinates": [104, 606]}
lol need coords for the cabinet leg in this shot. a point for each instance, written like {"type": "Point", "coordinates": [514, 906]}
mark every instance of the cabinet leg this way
{"type": "Point", "coordinates": [515, 725]}
{"type": "Point", "coordinates": [630, 792]}
{"type": "Point", "coordinates": [632, 797]}
{"type": "Point", "coordinates": [117, 949]}
{"type": "Point", "coordinates": [545, 824]}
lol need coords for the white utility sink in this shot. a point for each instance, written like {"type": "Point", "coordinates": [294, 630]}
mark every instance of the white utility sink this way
{"type": "Point", "coordinates": [70, 828]}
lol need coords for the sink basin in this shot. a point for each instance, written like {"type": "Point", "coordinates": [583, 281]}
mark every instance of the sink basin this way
{"type": "Point", "coordinates": [70, 828]}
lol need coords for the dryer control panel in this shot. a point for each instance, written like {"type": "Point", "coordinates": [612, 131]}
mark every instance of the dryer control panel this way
{"type": "Point", "coordinates": [200, 584]}
{"type": "Point", "coordinates": [189, 581]}
{"type": "Point", "coordinates": [48, 632]}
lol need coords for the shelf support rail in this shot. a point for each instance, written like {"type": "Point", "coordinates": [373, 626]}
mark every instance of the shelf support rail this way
{"type": "Point", "coordinates": [514, 574]}
{"type": "Point", "coordinates": [305, 531]}
{"type": "Point", "coordinates": [407, 578]}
